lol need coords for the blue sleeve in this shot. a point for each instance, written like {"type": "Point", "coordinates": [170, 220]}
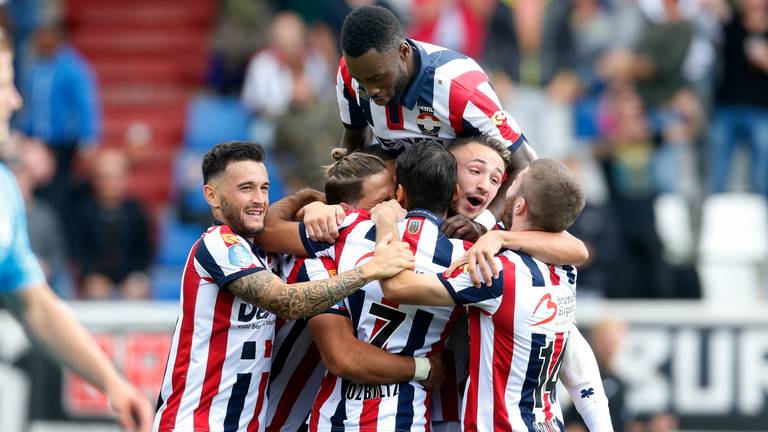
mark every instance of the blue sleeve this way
{"type": "Point", "coordinates": [313, 248]}
{"type": "Point", "coordinates": [19, 267]}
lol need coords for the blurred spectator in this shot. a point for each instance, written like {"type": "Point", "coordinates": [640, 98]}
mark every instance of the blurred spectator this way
{"type": "Point", "coordinates": [741, 101]}
{"type": "Point", "coordinates": [606, 339]}
{"type": "Point", "coordinates": [61, 108]}
{"type": "Point", "coordinates": [459, 25]}
{"type": "Point", "coordinates": [288, 89]}
{"type": "Point", "coordinates": [114, 248]}
{"type": "Point", "coordinates": [530, 57]}
{"type": "Point", "coordinates": [238, 33]}
{"type": "Point", "coordinates": [288, 73]}
{"type": "Point", "coordinates": [33, 166]}
{"type": "Point", "coordinates": [627, 155]}
{"type": "Point", "coordinates": [670, 42]}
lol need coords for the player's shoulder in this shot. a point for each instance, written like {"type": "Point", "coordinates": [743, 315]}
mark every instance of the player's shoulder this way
{"type": "Point", "coordinates": [446, 63]}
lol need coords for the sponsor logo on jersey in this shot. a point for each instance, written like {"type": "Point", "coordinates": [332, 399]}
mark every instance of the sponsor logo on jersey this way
{"type": "Point", "coordinates": [549, 305]}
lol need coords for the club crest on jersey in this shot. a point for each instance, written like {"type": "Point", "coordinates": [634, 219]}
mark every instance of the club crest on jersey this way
{"type": "Point", "coordinates": [428, 123]}
{"type": "Point", "coordinates": [239, 255]}
{"type": "Point", "coordinates": [414, 226]}
{"type": "Point", "coordinates": [363, 93]}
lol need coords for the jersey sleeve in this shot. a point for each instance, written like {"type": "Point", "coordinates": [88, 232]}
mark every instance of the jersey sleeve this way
{"type": "Point", "coordinates": [352, 115]}
{"type": "Point", "coordinates": [474, 109]}
{"type": "Point", "coordinates": [314, 248]}
{"type": "Point", "coordinates": [19, 267]}
{"type": "Point", "coordinates": [464, 293]}
{"type": "Point", "coordinates": [225, 256]}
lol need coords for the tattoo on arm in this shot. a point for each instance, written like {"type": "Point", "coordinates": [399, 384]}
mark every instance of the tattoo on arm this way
{"type": "Point", "coordinates": [292, 301]}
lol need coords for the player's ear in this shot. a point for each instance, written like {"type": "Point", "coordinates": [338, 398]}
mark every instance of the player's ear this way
{"type": "Point", "coordinates": [210, 195]}
{"type": "Point", "coordinates": [401, 197]}
{"type": "Point", "coordinates": [520, 206]}
{"type": "Point", "coordinates": [456, 194]}
{"type": "Point", "coordinates": [405, 50]}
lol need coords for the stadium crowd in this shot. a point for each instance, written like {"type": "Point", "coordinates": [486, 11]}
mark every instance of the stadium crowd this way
{"type": "Point", "coordinates": [641, 98]}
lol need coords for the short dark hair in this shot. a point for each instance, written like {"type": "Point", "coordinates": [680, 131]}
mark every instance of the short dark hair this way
{"type": "Point", "coordinates": [370, 27]}
{"type": "Point", "coordinates": [487, 141]}
{"type": "Point", "coordinates": [427, 172]}
{"type": "Point", "coordinates": [345, 176]}
{"type": "Point", "coordinates": [218, 158]}
{"type": "Point", "coordinates": [553, 195]}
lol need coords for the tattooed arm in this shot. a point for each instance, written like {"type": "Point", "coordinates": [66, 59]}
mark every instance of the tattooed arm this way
{"type": "Point", "coordinates": [292, 301]}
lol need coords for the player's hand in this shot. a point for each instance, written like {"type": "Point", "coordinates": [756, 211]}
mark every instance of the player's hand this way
{"type": "Point", "coordinates": [390, 209]}
{"type": "Point", "coordinates": [322, 221]}
{"type": "Point", "coordinates": [461, 227]}
{"type": "Point", "coordinates": [390, 258]}
{"type": "Point", "coordinates": [436, 373]}
{"type": "Point", "coordinates": [480, 257]}
{"type": "Point", "coordinates": [132, 409]}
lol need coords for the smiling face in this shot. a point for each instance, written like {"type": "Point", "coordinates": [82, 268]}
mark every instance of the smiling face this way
{"type": "Point", "coordinates": [382, 75]}
{"type": "Point", "coordinates": [240, 196]}
{"type": "Point", "coordinates": [479, 176]}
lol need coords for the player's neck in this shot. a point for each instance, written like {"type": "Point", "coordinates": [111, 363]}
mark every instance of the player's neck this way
{"type": "Point", "coordinates": [412, 64]}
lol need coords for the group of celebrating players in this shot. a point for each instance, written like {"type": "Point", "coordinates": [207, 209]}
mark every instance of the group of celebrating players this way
{"type": "Point", "coordinates": [434, 268]}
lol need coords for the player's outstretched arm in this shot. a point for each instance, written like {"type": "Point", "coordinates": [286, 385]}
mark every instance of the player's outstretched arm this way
{"type": "Point", "coordinates": [281, 233]}
{"type": "Point", "coordinates": [581, 377]}
{"type": "Point", "coordinates": [303, 299]}
{"type": "Point", "coordinates": [554, 248]}
{"type": "Point", "coordinates": [348, 357]}
{"type": "Point", "coordinates": [52, 325]}
{"type": "Point", "coordinates": [409, 287]}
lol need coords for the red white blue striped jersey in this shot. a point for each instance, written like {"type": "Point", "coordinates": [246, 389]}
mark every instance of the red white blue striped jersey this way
{"type": "Point", "coordinates": [296, 367]}
{"type": "Point", "coordinates": [518, 330]}
{"type": "Point", "coordinates": [449, 97]}
{"type": "Point", "coordinates": [419, 331]}
{"type": "Point", "coordinates": [219, 361]}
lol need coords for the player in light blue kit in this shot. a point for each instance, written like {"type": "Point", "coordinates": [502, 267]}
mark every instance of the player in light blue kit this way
{"type": "Point", "coordinates": [27, 295]}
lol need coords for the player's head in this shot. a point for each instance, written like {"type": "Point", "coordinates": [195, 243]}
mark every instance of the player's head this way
{"type": "Point", "coordinates": [10, 100]}
{"type": "Point", "coordinates": [545, 196]}
{"type": "Point", "coordinates": [376, 53]}
{"type": "Point", "coordinates": [426, 178]}
{"type": "Point", "coordinates": [237, 185]}
{"type": "Point", "coordinates": [481, 164]}
{"type": "Point", "coordinates": [357, 179]}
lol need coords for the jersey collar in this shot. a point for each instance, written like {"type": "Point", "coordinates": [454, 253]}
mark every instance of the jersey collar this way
{"type": "Point", "coordinates": [437, 220]}
{"type": "Point", "coordinates": [412, 91]}
{"type": "Point", "coordinates": [217, 222]}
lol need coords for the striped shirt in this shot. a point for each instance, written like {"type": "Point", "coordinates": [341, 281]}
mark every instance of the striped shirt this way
{"type": "Point", "coordinates": [518, 329]}
{"type": "Point", "coordinates": [420, 331]}
{"type": "Point", "coordinates": [296, 367]}
{"type": "Point", "coordinates": [218, 366]}
{"type": "Point", "coordinates": [449, 97]}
